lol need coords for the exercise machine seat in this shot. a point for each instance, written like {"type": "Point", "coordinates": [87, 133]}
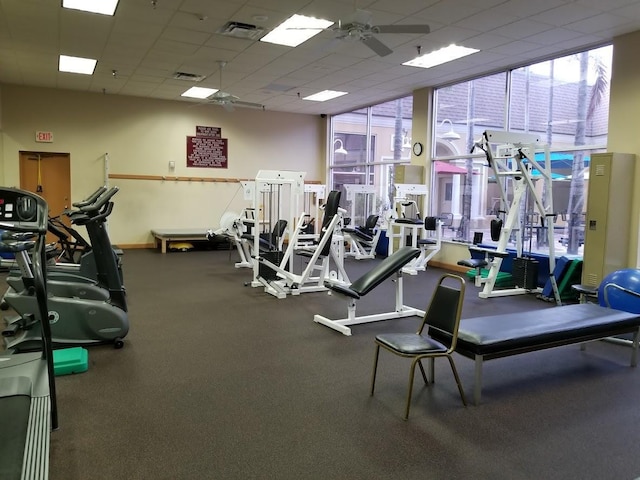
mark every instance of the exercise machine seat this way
{"type": "Point", "coordinates": [375, 276]}
{"type": "Point", "coordinates": [473, 262]}
{"type": "Point", "coordinates": [365, 232]}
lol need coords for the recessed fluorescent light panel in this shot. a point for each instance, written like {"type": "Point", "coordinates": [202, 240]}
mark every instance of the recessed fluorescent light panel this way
{"type": "Point", "coordinates": [85, 66]}
{"type": "Point", "coordinates": [295, 30]}
{"type": "Point", "coordinates": [103, 7]}
{"type": "Point", "coordinates": [199, 92]}
{"type": "Point", "coordinates": [324, 95]}
{"type": "Point", "coordinates": [438, 57]}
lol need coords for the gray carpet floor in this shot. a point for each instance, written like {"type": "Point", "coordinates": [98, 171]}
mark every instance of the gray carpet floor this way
{"type": "Point", "coordinates": [222, 381]}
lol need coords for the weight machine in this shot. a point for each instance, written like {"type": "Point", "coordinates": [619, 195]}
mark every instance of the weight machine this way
{"type": "Point", "coordinates": [362, 233]}
{"type": "Point", "coordinates": [513, 164]}
{"type": "Point", "coordinates": [404, 222]}
{"type": "Point", "coordinates": [312, 208]}
{"type": "Point", "coordinates": [273, 269]}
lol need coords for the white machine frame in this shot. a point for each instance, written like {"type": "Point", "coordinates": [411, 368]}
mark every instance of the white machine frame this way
{"type": "Point", "coordinates": [311, 207]}
{"type": "Point", "coordinates": [427, 250]}
{"type": "Point", "coordinates": [401, 311]}
{"type": "Point", "coordinates": [516, 161]}
{"type": "Point", "coordinates": [406, 193]}
{"type": "Point", "coordinates": [358, 248]}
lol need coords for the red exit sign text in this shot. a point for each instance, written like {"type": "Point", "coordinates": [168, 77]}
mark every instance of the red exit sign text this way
{"type": "Point", "coordinates": [44, 137]}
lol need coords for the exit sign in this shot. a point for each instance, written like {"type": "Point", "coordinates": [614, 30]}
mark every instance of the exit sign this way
{"type": "Point", "coordinates": [44, 137]}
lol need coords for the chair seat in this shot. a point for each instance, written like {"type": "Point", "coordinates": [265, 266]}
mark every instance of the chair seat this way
{"type": "Point", "coordinates": [410, 343]}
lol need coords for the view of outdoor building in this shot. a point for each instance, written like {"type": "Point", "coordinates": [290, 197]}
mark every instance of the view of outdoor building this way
{"type": "Point", "coordinates": [563, 102]}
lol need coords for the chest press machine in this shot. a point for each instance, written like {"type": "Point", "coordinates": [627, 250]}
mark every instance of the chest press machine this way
{"type": "Point", "coordinates": [513, 164]}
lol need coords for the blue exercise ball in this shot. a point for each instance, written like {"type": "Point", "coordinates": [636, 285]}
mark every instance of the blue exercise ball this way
{"type": "Point", "coordinates": [617, 290]}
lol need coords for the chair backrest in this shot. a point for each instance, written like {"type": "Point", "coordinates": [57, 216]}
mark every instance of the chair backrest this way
{"type": "Point", "coordinates": [445, 309]}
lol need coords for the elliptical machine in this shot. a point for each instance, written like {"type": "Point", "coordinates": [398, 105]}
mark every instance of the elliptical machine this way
{"type": "Point", "coordinates": [74, 321]}
{"type": "Point", "coordinates": [77, 280]}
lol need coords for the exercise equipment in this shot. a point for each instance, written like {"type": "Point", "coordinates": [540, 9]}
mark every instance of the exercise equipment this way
{"type": "Point", "coordinates": [28, 407]}
{"type": "Point", "coordinates": [67, 279]}
{"type": "Point", "coordinates": [361, 231]}
{"type": "Point", "coordinates": [74, 321]}
{"type": "Point", "coordinates": [406, 226]}
{"type": "Point", "coordinates": [275, 270]}
{"type": "Point", "coordinates": [311, 208]}
{"type": "Point", "coordinates": [429, 245]}
{"type": "Point", "coordinates": [621, 290]}
{"type": "Point", "coordinates": [390, 266]}
{"type": "Point", "coordinates": [363, 239]}
{"type": "Point", "coordinates": [512, 167]}
{"type": "Point", "coordinates": [234, 227]}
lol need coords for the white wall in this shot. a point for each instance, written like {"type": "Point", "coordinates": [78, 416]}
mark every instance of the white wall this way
{"type": "Point", "coordinates": [141, 136]}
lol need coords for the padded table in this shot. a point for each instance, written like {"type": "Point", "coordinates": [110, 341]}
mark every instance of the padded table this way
{"type": "Point", "coordinates": [496, 336]}
{"type": "Point", "coordinates": [163, 235]}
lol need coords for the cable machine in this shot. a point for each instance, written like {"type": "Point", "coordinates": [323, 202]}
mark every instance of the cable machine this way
{"type": "Point", "coordinates": [512, 167]}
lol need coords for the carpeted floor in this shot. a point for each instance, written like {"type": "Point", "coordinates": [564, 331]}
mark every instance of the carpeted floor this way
{"type": "Point", "coordinates": [221, 381]}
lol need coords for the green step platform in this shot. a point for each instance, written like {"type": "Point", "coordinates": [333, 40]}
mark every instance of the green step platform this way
{"type": "Point", "coordinates": [70, 360]}
{"type": "Point", "coordinates": [503, 280]}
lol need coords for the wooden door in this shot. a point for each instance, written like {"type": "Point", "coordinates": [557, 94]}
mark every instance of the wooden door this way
{"type": "Point", "coordinates": [48, 175]}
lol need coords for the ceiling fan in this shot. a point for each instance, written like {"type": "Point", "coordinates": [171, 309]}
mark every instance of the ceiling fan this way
{"type": "Point", "coordinates": [359, 26]}
{"type": "Point", "coordinates": [227, 100]}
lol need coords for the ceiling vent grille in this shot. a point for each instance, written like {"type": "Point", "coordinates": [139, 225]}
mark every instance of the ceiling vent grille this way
{"type": "Point", "coordinates": [241, 30]}
{"type": "Point", "coordinates": [192, 77]}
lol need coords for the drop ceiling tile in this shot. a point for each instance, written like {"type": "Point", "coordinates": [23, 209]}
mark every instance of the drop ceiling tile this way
{"type": "Point", "coordinates": [565, 14]}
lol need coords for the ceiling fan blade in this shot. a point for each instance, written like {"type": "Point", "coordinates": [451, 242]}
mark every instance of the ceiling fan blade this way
{"type": "Point", "coordinates": [249, 104]}
{"type": "Point", "coordinates": [377, 46]}
{"type": "Point", "coordinates": [423, 29]}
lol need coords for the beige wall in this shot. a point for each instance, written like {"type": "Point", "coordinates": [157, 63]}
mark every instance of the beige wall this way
{"type": "Point", "coordinates": [624, 110]}
{"type": "Point", "coordinates": [140, 137]}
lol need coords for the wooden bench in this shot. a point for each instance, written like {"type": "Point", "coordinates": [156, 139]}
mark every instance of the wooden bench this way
{"type": "Point", "coordinates": [497, 336]}
{"type": "Point", "coordinates": [163, 235]}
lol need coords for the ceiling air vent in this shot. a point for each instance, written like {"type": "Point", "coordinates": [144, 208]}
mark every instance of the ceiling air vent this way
{"type": "Point", "coordinates": [241, 30]}
{"type": "Point", "coordinates": [192, 77]}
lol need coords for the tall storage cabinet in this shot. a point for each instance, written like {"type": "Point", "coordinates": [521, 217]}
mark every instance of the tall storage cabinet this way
{"type": "Point", "coordinates": [606, 247]}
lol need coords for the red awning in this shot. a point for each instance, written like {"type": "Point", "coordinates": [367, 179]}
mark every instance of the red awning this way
{"type": "Point", "coordinates": [446, 167]}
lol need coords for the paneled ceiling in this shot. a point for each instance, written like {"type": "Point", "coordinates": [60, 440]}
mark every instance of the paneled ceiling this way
{"type": "Point", "coordinates": [140, 49]}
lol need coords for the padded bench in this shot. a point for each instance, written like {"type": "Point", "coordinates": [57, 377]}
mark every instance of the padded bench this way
{"type": "Point", "coordinates": [497, 336]}
{"type": "Point", "coordinates": [164, 235]}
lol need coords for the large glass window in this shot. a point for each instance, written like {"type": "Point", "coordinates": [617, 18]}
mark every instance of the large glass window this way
{"type": "Point", "coordinates": [564, 101]}
{"type": "Point", "coordinates": [366, 145]}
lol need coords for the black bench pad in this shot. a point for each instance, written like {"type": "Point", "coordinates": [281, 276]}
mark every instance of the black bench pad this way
{"type": "Point", "coordinates": [377, 274]}
{"type": "Point", "coordinates": [509, 334]}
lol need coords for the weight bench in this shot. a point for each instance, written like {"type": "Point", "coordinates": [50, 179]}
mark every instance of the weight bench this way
{"type": "Point", "coordinates": [497, 336]}
{"type": "Point", "coordinates": [165, 235]}
{"type": "Point", "coordinates": [391, 265]}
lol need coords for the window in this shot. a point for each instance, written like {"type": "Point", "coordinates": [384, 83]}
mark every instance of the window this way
{"type": "Point", "coordinates": [366, 145]}
{"type": "Point", "coordinates": [565, 101]}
